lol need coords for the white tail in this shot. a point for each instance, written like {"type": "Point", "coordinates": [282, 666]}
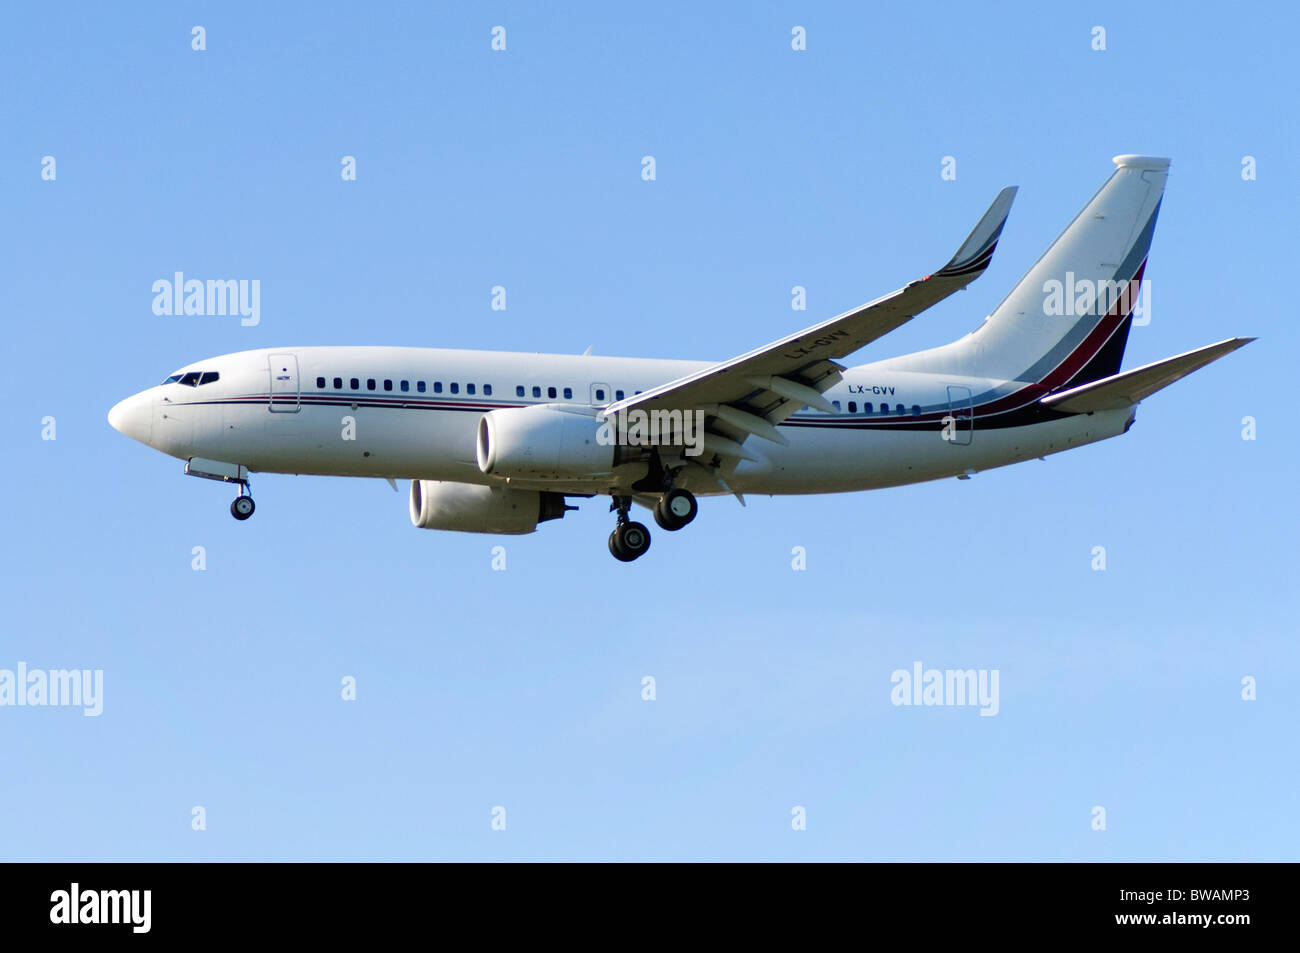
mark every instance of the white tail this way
{"type": "Point", "coordinates": [1067, 320]}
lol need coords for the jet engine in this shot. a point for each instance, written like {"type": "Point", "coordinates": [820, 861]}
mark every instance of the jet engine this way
{"type": "Point", "coordinates": [543, 442]}
{"type": "Point", "coordinates": [469, 508]}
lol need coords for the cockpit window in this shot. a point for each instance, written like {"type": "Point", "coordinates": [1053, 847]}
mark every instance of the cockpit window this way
{"type": "Point", "coordinates": [194, 378]}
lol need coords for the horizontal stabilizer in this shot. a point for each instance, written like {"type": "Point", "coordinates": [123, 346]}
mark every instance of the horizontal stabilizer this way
{"type": "Point", "coordinates": [1124, 390]}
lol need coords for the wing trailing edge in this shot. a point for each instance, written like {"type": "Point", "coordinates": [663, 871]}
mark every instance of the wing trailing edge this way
{"type": "Point", "coordinates": [794, 370]}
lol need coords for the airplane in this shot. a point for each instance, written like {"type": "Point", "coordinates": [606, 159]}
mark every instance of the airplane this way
{"type": "Point", "coordinates": [498, 442]}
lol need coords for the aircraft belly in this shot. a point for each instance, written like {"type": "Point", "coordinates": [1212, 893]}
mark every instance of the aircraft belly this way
{"type": "Point", "coordinates": [342, 441]}
{"type": "Point", "coordinates": [824, 460]}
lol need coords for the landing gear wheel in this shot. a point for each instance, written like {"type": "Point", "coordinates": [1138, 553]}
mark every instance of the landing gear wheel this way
{"type": "Point", "coordinates": [629, 541]}
{"type": "Point", "coordinates": [676, 509]}
{"type": "Point", "coordinates": [242, 508]}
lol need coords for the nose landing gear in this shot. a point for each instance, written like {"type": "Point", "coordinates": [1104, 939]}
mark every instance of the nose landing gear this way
{"type": "Point", "coordinates": [242, 507]}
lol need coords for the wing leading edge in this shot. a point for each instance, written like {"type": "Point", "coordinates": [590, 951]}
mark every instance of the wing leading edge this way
{"type": "Point", "coordinates": [749, 394]}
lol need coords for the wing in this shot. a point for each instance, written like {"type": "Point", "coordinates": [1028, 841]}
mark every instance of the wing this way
{"type": "Point", "coordinates": [752, 393]}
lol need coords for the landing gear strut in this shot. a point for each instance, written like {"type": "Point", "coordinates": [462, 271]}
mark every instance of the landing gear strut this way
{"type": "Point", "coordinates": [243, 505]}
{"type": "Point", "coordinates": [629, 539]}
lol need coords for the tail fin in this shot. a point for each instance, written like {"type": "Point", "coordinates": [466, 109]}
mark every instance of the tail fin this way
{"type": "Point", "coordinates": [1067, 321]}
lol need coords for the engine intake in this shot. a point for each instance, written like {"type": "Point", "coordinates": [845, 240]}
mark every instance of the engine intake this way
{"type": "Point", "coordinates": [470, 508]}
{"type": "Point", "coordinates": [542, 442]}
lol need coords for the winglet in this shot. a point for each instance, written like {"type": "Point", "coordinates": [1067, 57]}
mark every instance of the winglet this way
{"type": "Point", "coordinates": [976, 251]}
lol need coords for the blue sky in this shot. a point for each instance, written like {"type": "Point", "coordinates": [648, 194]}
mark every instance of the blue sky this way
{"type": "Point", "coordinates": [522, 688]}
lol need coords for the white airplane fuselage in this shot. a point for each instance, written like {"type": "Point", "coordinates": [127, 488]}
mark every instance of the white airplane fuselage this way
{"type": "Point", "coordinates": [295, 426]}
{"type": "Point", "coordinates": [497, 442]}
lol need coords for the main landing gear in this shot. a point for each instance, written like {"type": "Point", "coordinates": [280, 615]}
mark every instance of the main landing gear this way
{"type": "Point", "coordinates": [630, 539]}
{"type": "Point", "coordinates": [243, 505]}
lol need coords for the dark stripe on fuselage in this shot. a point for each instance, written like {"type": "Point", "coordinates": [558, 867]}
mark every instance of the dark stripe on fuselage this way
{"type": "Point", "coordinates": [1033, 413]}
{"type": "Point", "coordinates": [313, 400]}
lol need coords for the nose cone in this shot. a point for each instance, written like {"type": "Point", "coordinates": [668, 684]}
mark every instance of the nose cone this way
{"type": "Point", "coordinates": [133, 417]}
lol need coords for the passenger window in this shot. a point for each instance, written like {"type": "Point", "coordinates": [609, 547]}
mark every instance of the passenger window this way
{"type": "Point", "coordinates": [853, 406]}
{"type": "Point", "coordinates": [320, 383]}
{"type": "Point", "coordinates": [568, 393]}
{"type": "Point", "coordinates": [487, 389]}
{"type": "Point", "coordinates": [454, 388]}
{"type": "Point", "coordinates": [835, 404]}
{"type": "Point", "coordinates": [469, 388]}
{"type": "Point", "coordinates": [419, 385]}
{"type": "Point", "coordinates": [867, 409]}
{"type": "Point", "coordinates": [618, 395]}
{"type": "Point", "coordinates": [916, 410]}
{"type": "Point", "coordinates": [519, 390]}
{"type": "Point", "coordinates": [437, 387]}
{"type": "Point", "coordinates": [899, 409]}
{"type": "Point", "coordinates": [338, 383]}
{"type": "Point", "coordinates": [370, 383]}
{"type": "Point", "coordinates": [356, 384]}
{"type": "Point", "coordinates": [550, 392]}
{"type": "Point", "coordinates": [388, 385]}
{"type": "Point", "coordinates": [537, 392]}
{"type": "Point", "coordinates": [600, 393]}
{"type": "Point", "coordinates": [405, 385]}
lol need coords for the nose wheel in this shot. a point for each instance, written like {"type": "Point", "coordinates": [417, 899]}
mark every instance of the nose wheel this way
{"type": "Point", "coordinates": [242, 507]}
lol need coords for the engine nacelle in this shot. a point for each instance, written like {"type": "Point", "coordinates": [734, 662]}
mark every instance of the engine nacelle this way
{"type": "Point", "coordinates": [469, 508]}
{"type": "Point", "coordinates": [542, 442]}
